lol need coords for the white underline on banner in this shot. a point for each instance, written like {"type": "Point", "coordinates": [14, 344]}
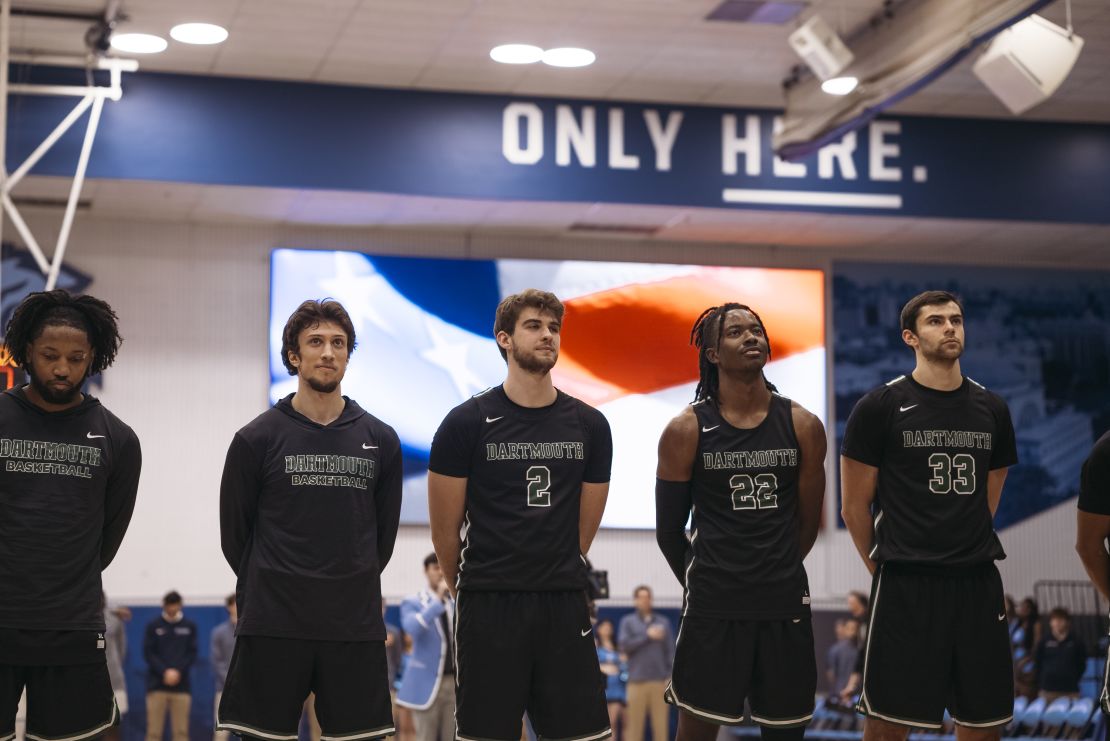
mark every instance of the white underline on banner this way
{"type": "Point", "coordinates": [811, 198]}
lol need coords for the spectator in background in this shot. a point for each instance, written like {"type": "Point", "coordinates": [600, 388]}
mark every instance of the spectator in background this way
{"type": "Point", "coordinates": [843, 655]}
{"type": "Point", "coordinates": [170, 648]}
{"type": "Point", "coordinates": [615, 669]}
{"type": "Point", "coordinates": [428, 687]}
{"type": "Point", "coordinates": [115, 652]}
{"type": "Point", "coordinates": [858, 606]}
{"type": "Point", "coordinates": [648, 641]}
{"type": "Point", "coordinates": [394, 647]}
{"type": "Point", "coordinates": [1060, 658]}
{"type": "Point", "coordinates": [220, 648]}
{"type": "Point", "coordinates": [1024, 639]}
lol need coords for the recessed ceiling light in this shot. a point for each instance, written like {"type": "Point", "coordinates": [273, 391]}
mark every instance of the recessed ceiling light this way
{"type": "Point", "coordinates": [569, 56]}
{"type": "Point", "coordinates": [198, 33]}
{"type": "Point", "coordinates": [138, 43]}
{"type": "Point", "coordinates": [840, 85]}
{"type": "Point", "coordinates": [516, 54]}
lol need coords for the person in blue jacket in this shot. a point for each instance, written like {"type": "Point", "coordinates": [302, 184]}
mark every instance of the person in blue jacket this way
{"type": "Point", "coordinates": [428, 684]}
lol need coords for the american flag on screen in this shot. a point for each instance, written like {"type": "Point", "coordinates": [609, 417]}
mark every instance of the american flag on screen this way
{"type": "Point", "coordinates": [425, 344]}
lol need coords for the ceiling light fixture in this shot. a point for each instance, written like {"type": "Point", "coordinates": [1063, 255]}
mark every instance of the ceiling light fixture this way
{"type": "Point", "coordinates": [138, 43]}
{"type": "Point", "coordinates": [198, 33]}
{"type": "Point", "coordinates": [516, 54]}
{"type": "Point", "coordinates": [840, 85]}
{"type": "Point", "coordinates": [569, 56]}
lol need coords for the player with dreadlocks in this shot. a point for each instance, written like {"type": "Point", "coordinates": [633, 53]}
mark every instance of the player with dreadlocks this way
{"type": "Point", "coordinates": [750, 464]}
{"type": "Point", "coordinates": [69, 471]}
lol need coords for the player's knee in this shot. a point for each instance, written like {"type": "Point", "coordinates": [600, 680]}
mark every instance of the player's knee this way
{"type": "Point", "coordinates": [964, 733]}
{"type": "Point", "coordinates": [875, 729]}
{"type": "Point", "coordinates": [691, 728]}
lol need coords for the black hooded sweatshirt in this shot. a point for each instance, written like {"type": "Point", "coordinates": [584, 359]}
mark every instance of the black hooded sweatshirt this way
{"type": "Point", "coordinates": [308, 521]}
{"type": "Point", "coordinates": [68, 482]}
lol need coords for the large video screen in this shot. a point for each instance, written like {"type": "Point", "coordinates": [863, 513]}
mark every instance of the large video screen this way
{"type": "Point", "coordinates": [425, 344]}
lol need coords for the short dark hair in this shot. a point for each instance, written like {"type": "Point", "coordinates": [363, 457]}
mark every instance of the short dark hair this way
{"type": "Point", "coordinates": [510, 308]}
{"type": "Point", "coordinates": [59, 308]}
{"type": "Point", "coordinates": [914, 306]}
{"type": "Point", "coordinates": [172, 598]}
{"type": "Point", "coordinates": [641, 588]}
{"type": "Point", "coordinates": [230, 600]}
{"type": "Point", "coordinates": [1059, 612]}
{"type": "Point", "coordinates": [430, 559]}
{"type": "Point", "coordinates": [309, 314]}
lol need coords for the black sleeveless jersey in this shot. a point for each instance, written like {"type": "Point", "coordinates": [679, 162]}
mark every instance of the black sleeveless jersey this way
{"type": "Point", "coordinates": [934, 450]}
{"type": "Point", "coordinates": [746, 558]}
{"type": "Point", "coordinates": [524, 469]}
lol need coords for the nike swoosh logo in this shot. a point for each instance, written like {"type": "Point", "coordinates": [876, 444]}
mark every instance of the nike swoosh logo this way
{"type": "Point", "coordinates": [369, 447]}
{"type": "Point", "coordinates": [1002, 617]}
{"type": "Point", "coordinates": [92, 436]}
{"type": "Point", "coordinates": [709, 429]}
{"type": "Point", "coordinates": [494, 419]}
{"type": "Point", "coordinates": [586, 632]}
{"type": "Point", "coordinates": [906, 409]}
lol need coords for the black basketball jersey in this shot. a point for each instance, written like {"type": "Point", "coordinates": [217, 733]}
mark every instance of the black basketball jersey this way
{"type": "Point", "coordinates": [934, 450]}
{"type": "Point", "coordinates": [746, 558]}
{"type": "Point", "coordinates": [524, 469]}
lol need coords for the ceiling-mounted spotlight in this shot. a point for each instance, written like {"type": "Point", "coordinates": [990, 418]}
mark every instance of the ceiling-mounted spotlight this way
{"type": "Point", "coordinates": [138, 43]}
{"type": "Point", "coordinates": [820, 48]}
{"type": "Point", "coordinates": [840, 85]}
{"type": "Point", "coordinates": [1027, 62]}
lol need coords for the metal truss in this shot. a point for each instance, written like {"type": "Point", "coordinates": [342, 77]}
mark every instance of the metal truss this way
{"type": "Point", "coordinates": [92, 99]}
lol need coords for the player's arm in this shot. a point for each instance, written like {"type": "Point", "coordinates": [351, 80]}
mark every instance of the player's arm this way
{"type": "Point", "coordinates": [239, 491]}
{"type": "Point", "coordinates": [446, 509]}
{"type": "Point", "coordinates": [590, 509]}
{"type": "Point", "coordinates": [995, 481]}
{"type": "Point", "coordinates": [119, 498]}
{"type": "Point", "coordinates": [857, 492]}
{"type": "Point", "coordinates": [387, 499]}
{"type": "Point", "coordinates": [595, 479]}
{"type": "Point", "coordinates": [811, 475]}
{"type": "Point", "coordinates": [1091, 533]}
{"type": "Point", "coordinates": [677, 447]}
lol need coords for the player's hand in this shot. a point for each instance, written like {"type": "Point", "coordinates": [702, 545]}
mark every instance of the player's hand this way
{"type": "Point", "coordinates": [171, 677]}
{"type": "Point", "coordinates": [656, 633]}
{"type": "Point", "coordinates": [388, 640]}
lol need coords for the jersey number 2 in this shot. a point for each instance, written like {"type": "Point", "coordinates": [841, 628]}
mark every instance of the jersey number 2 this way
{"type": "Point", "coordinates": [539, 486]}
{"type": "Point", "coordinates": [952, 473]}
{"type": "Point", "coordinates": [754, 493]}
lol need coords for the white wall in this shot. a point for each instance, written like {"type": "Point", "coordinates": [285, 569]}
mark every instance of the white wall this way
{"type": "Point", "coordinates": [193, 301]}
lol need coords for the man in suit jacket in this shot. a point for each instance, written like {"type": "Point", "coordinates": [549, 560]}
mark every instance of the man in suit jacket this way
{"type": "Point", "coordinates": [428, 685]}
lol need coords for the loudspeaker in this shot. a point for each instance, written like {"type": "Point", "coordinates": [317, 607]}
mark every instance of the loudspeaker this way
{"type": "Point", "coordinates": [820, 48]}
{"type": "Point", "coordinates": [1025, 64]}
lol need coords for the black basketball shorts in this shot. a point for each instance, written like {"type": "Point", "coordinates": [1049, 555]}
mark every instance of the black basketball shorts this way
{"type": "Point", "coordinates": [719, 663]}
{"type": "Point", "coordinates": [270, 678]}
{"type": "Point", "coordinates": [937, 639]}
{"type": "Point", "coordinates": [74, 702]}
{"type": "Point", "coordinates": [527, 651]}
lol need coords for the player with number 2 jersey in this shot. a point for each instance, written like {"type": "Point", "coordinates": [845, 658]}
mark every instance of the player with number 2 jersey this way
{"type": "Point", "coordinates": [523, 471]}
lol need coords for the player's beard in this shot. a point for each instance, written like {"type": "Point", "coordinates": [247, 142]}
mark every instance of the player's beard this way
{"type": "Point", "coordinates": [50, 395]}
{"type": "Point", "coordinates": [943, 353]}
{"type": "Point", "coordinates": [531, 363]}
{"type": "Point", "coordinates": [323, 387]}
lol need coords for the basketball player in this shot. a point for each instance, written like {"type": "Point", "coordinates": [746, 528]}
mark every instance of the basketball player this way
{"type": "Point", "coordinates": [750, 464]}
{"type": "Point", "coordinates": [309, 506]}
{"type": "Point", "coordinates": [67, 489]}
{"type": "Point", "coordinates": [923, 464]}
{"type": "Point", "coordinates": [1094, 528]}
{"type": "Point", "coordinates": [526, 467]}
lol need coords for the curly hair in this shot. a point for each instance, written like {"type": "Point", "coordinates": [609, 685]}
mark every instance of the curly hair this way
{"type": "Point", "coordinates": [58, 308]}
{"type": "Point", "coordinates": [309, 314]}
{"type": "Point", "coordinates": [706, 333]}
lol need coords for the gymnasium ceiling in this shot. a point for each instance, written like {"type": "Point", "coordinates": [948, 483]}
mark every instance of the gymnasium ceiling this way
{"type": "Point", "coordinates": [648, 50]}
